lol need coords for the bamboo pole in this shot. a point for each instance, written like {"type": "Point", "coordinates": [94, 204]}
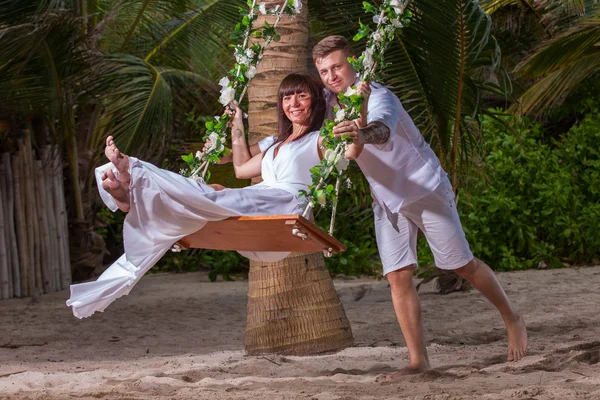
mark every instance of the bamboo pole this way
{"type": "Point", "coordinates": [9, 214]}
{"type": "Point", "coordinates": [20, 224]}
{"type": "Point", "coordinates": [4, 189]}
{"type": "Point", "coordinates": [53, 254]}
{"type": "Point", "coordinates": [62, 222]}
{"type": "Point", "coordinates": [5, 281]}
{"type": "Point", "coordinates": [44, 241]}
{"type": "Point", "coordinates": [56, 205]}
{"type": "Point", "coordinates": [35, 273]}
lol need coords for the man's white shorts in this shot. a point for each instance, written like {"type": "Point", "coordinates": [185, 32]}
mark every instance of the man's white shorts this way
{"type": "Point", "coordinates": [436, 216]}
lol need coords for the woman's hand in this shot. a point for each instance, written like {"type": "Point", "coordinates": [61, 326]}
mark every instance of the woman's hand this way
{"type": "Point", "coordinates": [223, 159]}
{"type": "Point", "coordinates": [236, 113]}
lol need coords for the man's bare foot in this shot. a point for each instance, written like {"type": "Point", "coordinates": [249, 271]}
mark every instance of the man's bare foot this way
{"type": "Point", "coordinates": [112, 185]}
{"type": "Point", "coordinates": [119, 160]}
{"type": "Point", "coordinates": [517, 339]}
{"type": "Point", "coordinates": [402, 372]}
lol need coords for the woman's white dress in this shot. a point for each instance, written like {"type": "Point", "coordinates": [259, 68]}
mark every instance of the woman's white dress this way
{"type": "Point", "coordinates": [165, 207]}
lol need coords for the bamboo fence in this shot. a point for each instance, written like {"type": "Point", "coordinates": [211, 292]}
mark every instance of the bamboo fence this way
{"type": "Point", "coordinates": [34, 240]}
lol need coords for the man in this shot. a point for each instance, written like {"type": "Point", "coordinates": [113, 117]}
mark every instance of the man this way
{"type": "Point", "coordinates": [411, 191]}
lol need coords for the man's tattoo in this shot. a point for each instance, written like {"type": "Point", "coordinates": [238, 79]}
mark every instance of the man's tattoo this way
{"type": "Point", "coordinates": [375, 133]}
{"type": "Point", "coordinates": [238, 133]}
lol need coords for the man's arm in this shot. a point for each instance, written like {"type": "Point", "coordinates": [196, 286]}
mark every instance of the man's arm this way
{"type": "Point", "coordinates": [374, 133]}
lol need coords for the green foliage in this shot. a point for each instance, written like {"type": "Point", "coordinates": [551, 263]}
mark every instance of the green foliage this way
{"type": "Point", "coordinates": [222, 263]}
{"type": "Point", "coordinates": [535, 202]}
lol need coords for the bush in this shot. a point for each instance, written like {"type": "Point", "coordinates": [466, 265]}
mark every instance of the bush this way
{"type": "Point", "coordinates": [535, 202]}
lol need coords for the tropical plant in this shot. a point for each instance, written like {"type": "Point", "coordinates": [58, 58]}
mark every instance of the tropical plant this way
{"type": "Point", "coordinates": [82, 70]}
{"type": "Point", "coordinates": [552, 45]}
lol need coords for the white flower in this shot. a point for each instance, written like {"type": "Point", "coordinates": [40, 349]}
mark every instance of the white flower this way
{"type": "Point", "coordinates": [377, 19]}
{"type": "Point", "coordinates": [330, 156]}
{"type": "Point", "coordinates": [348, 183]}
{"type": "Point", "coordinates": [350, 91]}
{"type": "Point", "coordinates": [297, 6]}
{"type": "Point", "coordinates": [215, 143]}
{"type": "Point", "coordinates": [368, 60]}
{"type": "Point", "coordinates": [251, 72]}
{"type": "Point", "coordinates": [340, 115]}
{"type": "Point", "coordinates": [341, 164]}
{"type": "Point", "coordinates": [262, 8]}
{"type": "Point", "coordinates": [199, 155]}
{"type": "Point", "coordinates": [250, 53]}
{"type": "Point", "coordinates": [224, 82]}
{"type": "Point", "coordinates": [242, 59]}
{"type": "Point", "coordinates": [322, 198]}
{"type": "Point", "coordinates": [227, 95]}
{"type": "Point", "coordinates": [397, 24]}
{"type": "Point", "coordinates": [396, 5]}
{"type": "Point", "coordinates": [377, 36]}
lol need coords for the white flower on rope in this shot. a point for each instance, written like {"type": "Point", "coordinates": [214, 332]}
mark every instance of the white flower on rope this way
{"type": "Point", "coordinates": [297, 6]}
{"type": "Point", "coordinates": [251, 72]}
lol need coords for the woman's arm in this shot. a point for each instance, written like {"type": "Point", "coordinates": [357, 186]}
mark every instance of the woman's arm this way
{"type": "Point", "coordinates": [250, 169]}
{"type": "Point", "coordinates": [244, 164]}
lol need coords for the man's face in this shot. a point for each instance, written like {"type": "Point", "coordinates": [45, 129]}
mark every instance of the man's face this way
{"type": "Point", "coordinates": [336, 72]}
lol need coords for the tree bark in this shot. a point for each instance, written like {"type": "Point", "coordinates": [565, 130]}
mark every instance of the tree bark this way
{"type": "Point", "coordinates": [293, 307]}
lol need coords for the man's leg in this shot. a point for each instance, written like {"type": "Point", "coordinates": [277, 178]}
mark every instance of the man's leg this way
{"type": "Point", "coordinates": [397, 249]}
{"type": "Point", "coordinates": [408, 311]}
{"type": "Point", "coordinates": [437, 217]}
{"type": "Point", "coordinates": [483, 278]}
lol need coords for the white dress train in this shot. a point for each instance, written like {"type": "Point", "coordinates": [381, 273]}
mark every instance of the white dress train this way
{"type": "Point", "coordinates": [165, 207]}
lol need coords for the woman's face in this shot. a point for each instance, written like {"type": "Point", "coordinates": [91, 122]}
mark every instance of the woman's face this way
{"type": "Point", "coordinates": [296, 107]}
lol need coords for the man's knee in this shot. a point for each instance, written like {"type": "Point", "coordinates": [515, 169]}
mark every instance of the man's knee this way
{"type": "Point", "coordinates": [401, 280]}
{"type": "Point", "coordinates": [469, 269]}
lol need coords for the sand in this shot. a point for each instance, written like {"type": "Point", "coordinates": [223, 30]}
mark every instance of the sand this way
{"type": "Point", "coordinates": [182, 337]}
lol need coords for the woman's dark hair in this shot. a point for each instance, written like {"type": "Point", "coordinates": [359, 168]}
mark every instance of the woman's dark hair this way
{"type": "Point", "coordinates": [298, 83]}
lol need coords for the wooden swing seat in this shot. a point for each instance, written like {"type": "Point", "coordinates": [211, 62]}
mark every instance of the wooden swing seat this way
{"type": "Point", "coordinates": [263, 233]}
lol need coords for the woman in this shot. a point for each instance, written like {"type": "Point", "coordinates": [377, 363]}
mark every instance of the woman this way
{"type": "Point", "coordinates": [163, 207]}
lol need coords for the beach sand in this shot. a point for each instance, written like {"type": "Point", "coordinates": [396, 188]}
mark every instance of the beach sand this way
{"type": "Point", "coordinates": [179, 336]}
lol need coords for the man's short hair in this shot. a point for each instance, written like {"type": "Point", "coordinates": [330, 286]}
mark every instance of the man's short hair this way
{"type": "Point", "coordinates": [331, 44]}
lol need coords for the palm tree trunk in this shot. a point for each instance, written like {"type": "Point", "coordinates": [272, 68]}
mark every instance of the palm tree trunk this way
{"type": "Point", "coordinates": [293, 307]}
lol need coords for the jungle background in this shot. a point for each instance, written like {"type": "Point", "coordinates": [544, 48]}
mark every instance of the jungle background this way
{"type": "Point", "coordinates": [505, 91]}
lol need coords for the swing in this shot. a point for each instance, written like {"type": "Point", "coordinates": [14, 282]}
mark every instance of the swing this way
{"type": "Point", "coordinates": [264, 233]}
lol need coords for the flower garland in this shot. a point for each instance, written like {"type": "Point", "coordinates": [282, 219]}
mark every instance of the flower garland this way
{"type": "Point", "coordinates": [247, 56]}
{"type": "Point", "coordinates": [389, 16]}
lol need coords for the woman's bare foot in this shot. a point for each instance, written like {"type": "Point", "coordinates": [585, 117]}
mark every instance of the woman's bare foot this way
{"type": "Point", "coordinates": [517, 339]}
{"type": "Point", "coordinates": [119, 160]}
{"type": "Point", "coordinates": [112, 185]}
{"type": "Point", "coordinates": [402, 372]}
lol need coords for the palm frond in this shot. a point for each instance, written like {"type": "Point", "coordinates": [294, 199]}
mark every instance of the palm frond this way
{"type": "Point", "coordinates": [553, 89]}
{"type": "Point", "coordinates": [576, 42]}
